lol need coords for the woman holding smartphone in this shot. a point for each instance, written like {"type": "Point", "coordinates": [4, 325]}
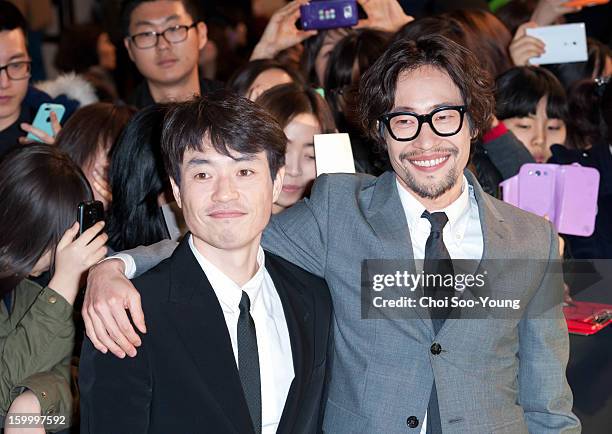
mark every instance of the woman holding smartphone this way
{"type": "Point", "coordinates": [39, 233]}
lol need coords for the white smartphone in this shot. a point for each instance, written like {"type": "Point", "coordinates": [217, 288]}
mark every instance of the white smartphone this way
{"type": "Point", "coordinates": [565, 43]}
{"type": "Point", "coordinates": [333, 153]}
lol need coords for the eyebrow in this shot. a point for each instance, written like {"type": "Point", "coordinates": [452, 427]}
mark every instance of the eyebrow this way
{"type": "Point", "coordinates": [151, 23]}
{"type": "Point", "coordinates": [202, 161]}
{"type": "Point", "coordinates": [431, 108]}
{"type": "Point", "coordinates": [17, 56]}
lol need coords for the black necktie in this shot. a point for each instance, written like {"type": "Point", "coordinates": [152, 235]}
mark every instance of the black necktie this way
{"type": "Point", "coordinates": [248, 361]}
{"type": "Point", "coordinates": [8, 301]}
{"type": "Point", "coordinates": [437, 262]}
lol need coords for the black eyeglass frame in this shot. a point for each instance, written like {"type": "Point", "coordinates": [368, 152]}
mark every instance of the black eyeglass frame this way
{"type": "Point", "coordinates": [385, 121]}
{"type": "Point", "coordinates": [163, 34]}
{"type": "Point", "coordinates": [6, 68]}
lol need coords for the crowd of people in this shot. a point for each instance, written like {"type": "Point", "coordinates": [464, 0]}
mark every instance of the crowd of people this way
{"type": "Point", "coordinates": [245, 308]}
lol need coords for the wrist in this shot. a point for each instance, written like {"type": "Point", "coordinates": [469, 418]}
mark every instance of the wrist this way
{"type": "Point", "coordinates": [65, 286]}
{"type": "Point", "coordinates": [263, 51]}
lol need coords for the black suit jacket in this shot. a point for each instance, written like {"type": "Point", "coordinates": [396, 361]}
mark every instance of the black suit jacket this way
{"type": "Point", "coordinates": [184, 378]}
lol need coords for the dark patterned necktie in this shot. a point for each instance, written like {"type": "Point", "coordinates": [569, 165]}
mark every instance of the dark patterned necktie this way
{"type": "Point", "coordinates": [248, 361]}
{"type": "Point", "coordinates": [437, 262]}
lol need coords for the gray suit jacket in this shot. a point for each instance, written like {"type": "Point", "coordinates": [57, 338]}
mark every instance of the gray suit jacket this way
{"type": "Point", "coordinates": [491, 376]}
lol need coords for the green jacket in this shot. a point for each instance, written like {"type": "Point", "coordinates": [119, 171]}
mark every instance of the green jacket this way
{"type": "Point", "coordinates": [36, 342]}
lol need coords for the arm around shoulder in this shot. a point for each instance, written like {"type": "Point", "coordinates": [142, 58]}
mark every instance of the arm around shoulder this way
{"type": "Point", "coordinates": [299, 234]}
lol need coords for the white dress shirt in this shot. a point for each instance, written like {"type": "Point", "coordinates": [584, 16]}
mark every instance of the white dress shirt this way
{"type": "Point", "coordinates": [273, 343]}
{"type": "Point", "coordinates": [462, 234]}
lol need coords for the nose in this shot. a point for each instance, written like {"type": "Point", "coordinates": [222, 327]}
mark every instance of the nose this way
{"type": "Point", "coordinates": [539, 138]}
{"type": "Point", "coordinates": [292, 165]}
{"type": "Point", "coordinates": [162, 43]}
{"type": "Point", "coordinates": [427, 138]}
{"type": "Point", "coordinates": [4, 79]}
{"type": "Point", "coordinates": [225, 190]}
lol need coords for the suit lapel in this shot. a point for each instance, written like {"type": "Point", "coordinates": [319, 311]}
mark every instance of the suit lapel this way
{"type": "Point", "coordinates": [387, 218]}
{"type": "Point", "coordinates": [195, 312]}
{"type": "Point", "coordinates": [494, 234]}
{"type": "Point", "coordinates": [298, 311]}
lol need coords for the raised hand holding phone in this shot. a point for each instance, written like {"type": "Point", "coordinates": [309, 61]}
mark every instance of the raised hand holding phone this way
{"type": "Point", "coordinates": [281, 32]}
{"type": "Point", "coordinates": [74, 256]}
{"type": "Point", "coordinates": [46, 124]}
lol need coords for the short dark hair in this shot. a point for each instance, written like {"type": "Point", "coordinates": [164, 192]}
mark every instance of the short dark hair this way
{"type": "Point", "coordinates": [90, 127]}
{"type": "Point", "coordinates": [229, 121]}
{"type": "Point", "coordinates": [286, 101]}
{"type": "Point", "coordinates": [519, 90]}
{"type": "Point", "coordinates": [128, 6]}
{"type": "Point", "coordinates": [378, 85]}
{"type": "Point", "coordinates": [243, 78]}
{"type": "Point", "coordinates": [11, 18]}
{"type": "Point", "coordinates": [349, 59]}
{"type": "Point", "coordinates": [41, 188]}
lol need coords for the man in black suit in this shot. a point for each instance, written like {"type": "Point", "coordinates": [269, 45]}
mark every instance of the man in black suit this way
{"type": "Point", "coordinates": [237, 338]}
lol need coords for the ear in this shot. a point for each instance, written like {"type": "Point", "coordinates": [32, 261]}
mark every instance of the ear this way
{"type": "Point", "coordinates": [176, 192]}
{"type": "Point", "coordinates": [128, 47]}
{"type": "Point", "coordinates": [278, 184]}
{"type": "Point", "coordinates": [202, 35]}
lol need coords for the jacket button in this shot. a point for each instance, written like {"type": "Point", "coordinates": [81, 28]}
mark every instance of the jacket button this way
{"type": "Point", "coordinates": [435, 349]}
{"type": "Point", "coordinates": [52, 299]}
{"type": "Point", "coordinates": [412, 422]}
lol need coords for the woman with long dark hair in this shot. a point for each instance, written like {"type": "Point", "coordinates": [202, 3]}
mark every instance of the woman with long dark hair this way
{"type": "Point", "coordinates": [302, 113]}
{"type": "Point", "coordinates": [141, 211]}
{"type": "Point", "coordinates": [40, 190]}
{"type": "Point", "coordinates": [88, 137]}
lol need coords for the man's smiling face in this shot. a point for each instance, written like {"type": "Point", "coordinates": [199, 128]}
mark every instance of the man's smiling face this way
{"type": "Point", "coordinates": [430, 166]}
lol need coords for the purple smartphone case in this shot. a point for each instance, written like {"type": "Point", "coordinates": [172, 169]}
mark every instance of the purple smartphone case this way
{"type": "Point", "coordinates": [567, 194]}
{"type": "Point", "coordinates": [328, 14]}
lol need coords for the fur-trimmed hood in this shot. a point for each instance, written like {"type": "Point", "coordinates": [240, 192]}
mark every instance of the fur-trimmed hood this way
{"type": "Point", "coordinates": [72, 86]}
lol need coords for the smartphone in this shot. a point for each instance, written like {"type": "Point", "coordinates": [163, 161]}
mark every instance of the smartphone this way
{"type": "Point", "coordinates": [566, 194]}
{"type": "Point", "coordinates": [328, 14]}
{"type": "Point", "coordinates": [564, 43]}
{"type": "Point", "coordinates": [42, 121]}
{"type": "Point", "coordinates": [88, 214]}
{"type": "Point", "coordinates": [584, 3]}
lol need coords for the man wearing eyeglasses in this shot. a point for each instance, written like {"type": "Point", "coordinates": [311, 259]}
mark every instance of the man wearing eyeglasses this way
{"type": "Point", "coordinates": [422, 369]}
{"type": "Point", "coordinates": [14, 76]}
{"type": "Point", "coordinates": [19, 101]}
{"type": "Point", "coordinates": [164, 38]}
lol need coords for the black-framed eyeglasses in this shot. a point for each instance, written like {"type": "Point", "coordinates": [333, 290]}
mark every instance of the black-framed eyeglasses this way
{"type": "Point", "coordinates": [173, 35]}
{"type": "Point", "coordinates": [17, 70]}
{"type": "Point", "coordinates": [405, 126]}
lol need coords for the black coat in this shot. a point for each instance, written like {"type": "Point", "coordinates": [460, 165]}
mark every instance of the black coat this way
{"type": "Point", "coordinates": [184, 378]}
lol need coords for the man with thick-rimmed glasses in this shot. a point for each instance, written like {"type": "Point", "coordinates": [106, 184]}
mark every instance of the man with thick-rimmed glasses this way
{"type": "Point", "coordinates": [164, 38]}
{"type": "Point", "coordinates": [410, 368]}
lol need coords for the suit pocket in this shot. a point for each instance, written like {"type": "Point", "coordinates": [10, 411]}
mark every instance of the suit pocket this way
{"type": "Point", "coordinates": [338, 419]}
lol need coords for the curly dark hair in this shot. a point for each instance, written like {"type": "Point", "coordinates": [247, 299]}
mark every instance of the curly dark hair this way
{"type": "Point", "coordinates": [378, 85]}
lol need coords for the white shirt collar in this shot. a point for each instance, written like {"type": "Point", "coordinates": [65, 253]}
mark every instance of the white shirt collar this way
{"type": "Point", "coordinates": [229, 292]}
{"type": "Point", "coordinates": [455, 211]}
